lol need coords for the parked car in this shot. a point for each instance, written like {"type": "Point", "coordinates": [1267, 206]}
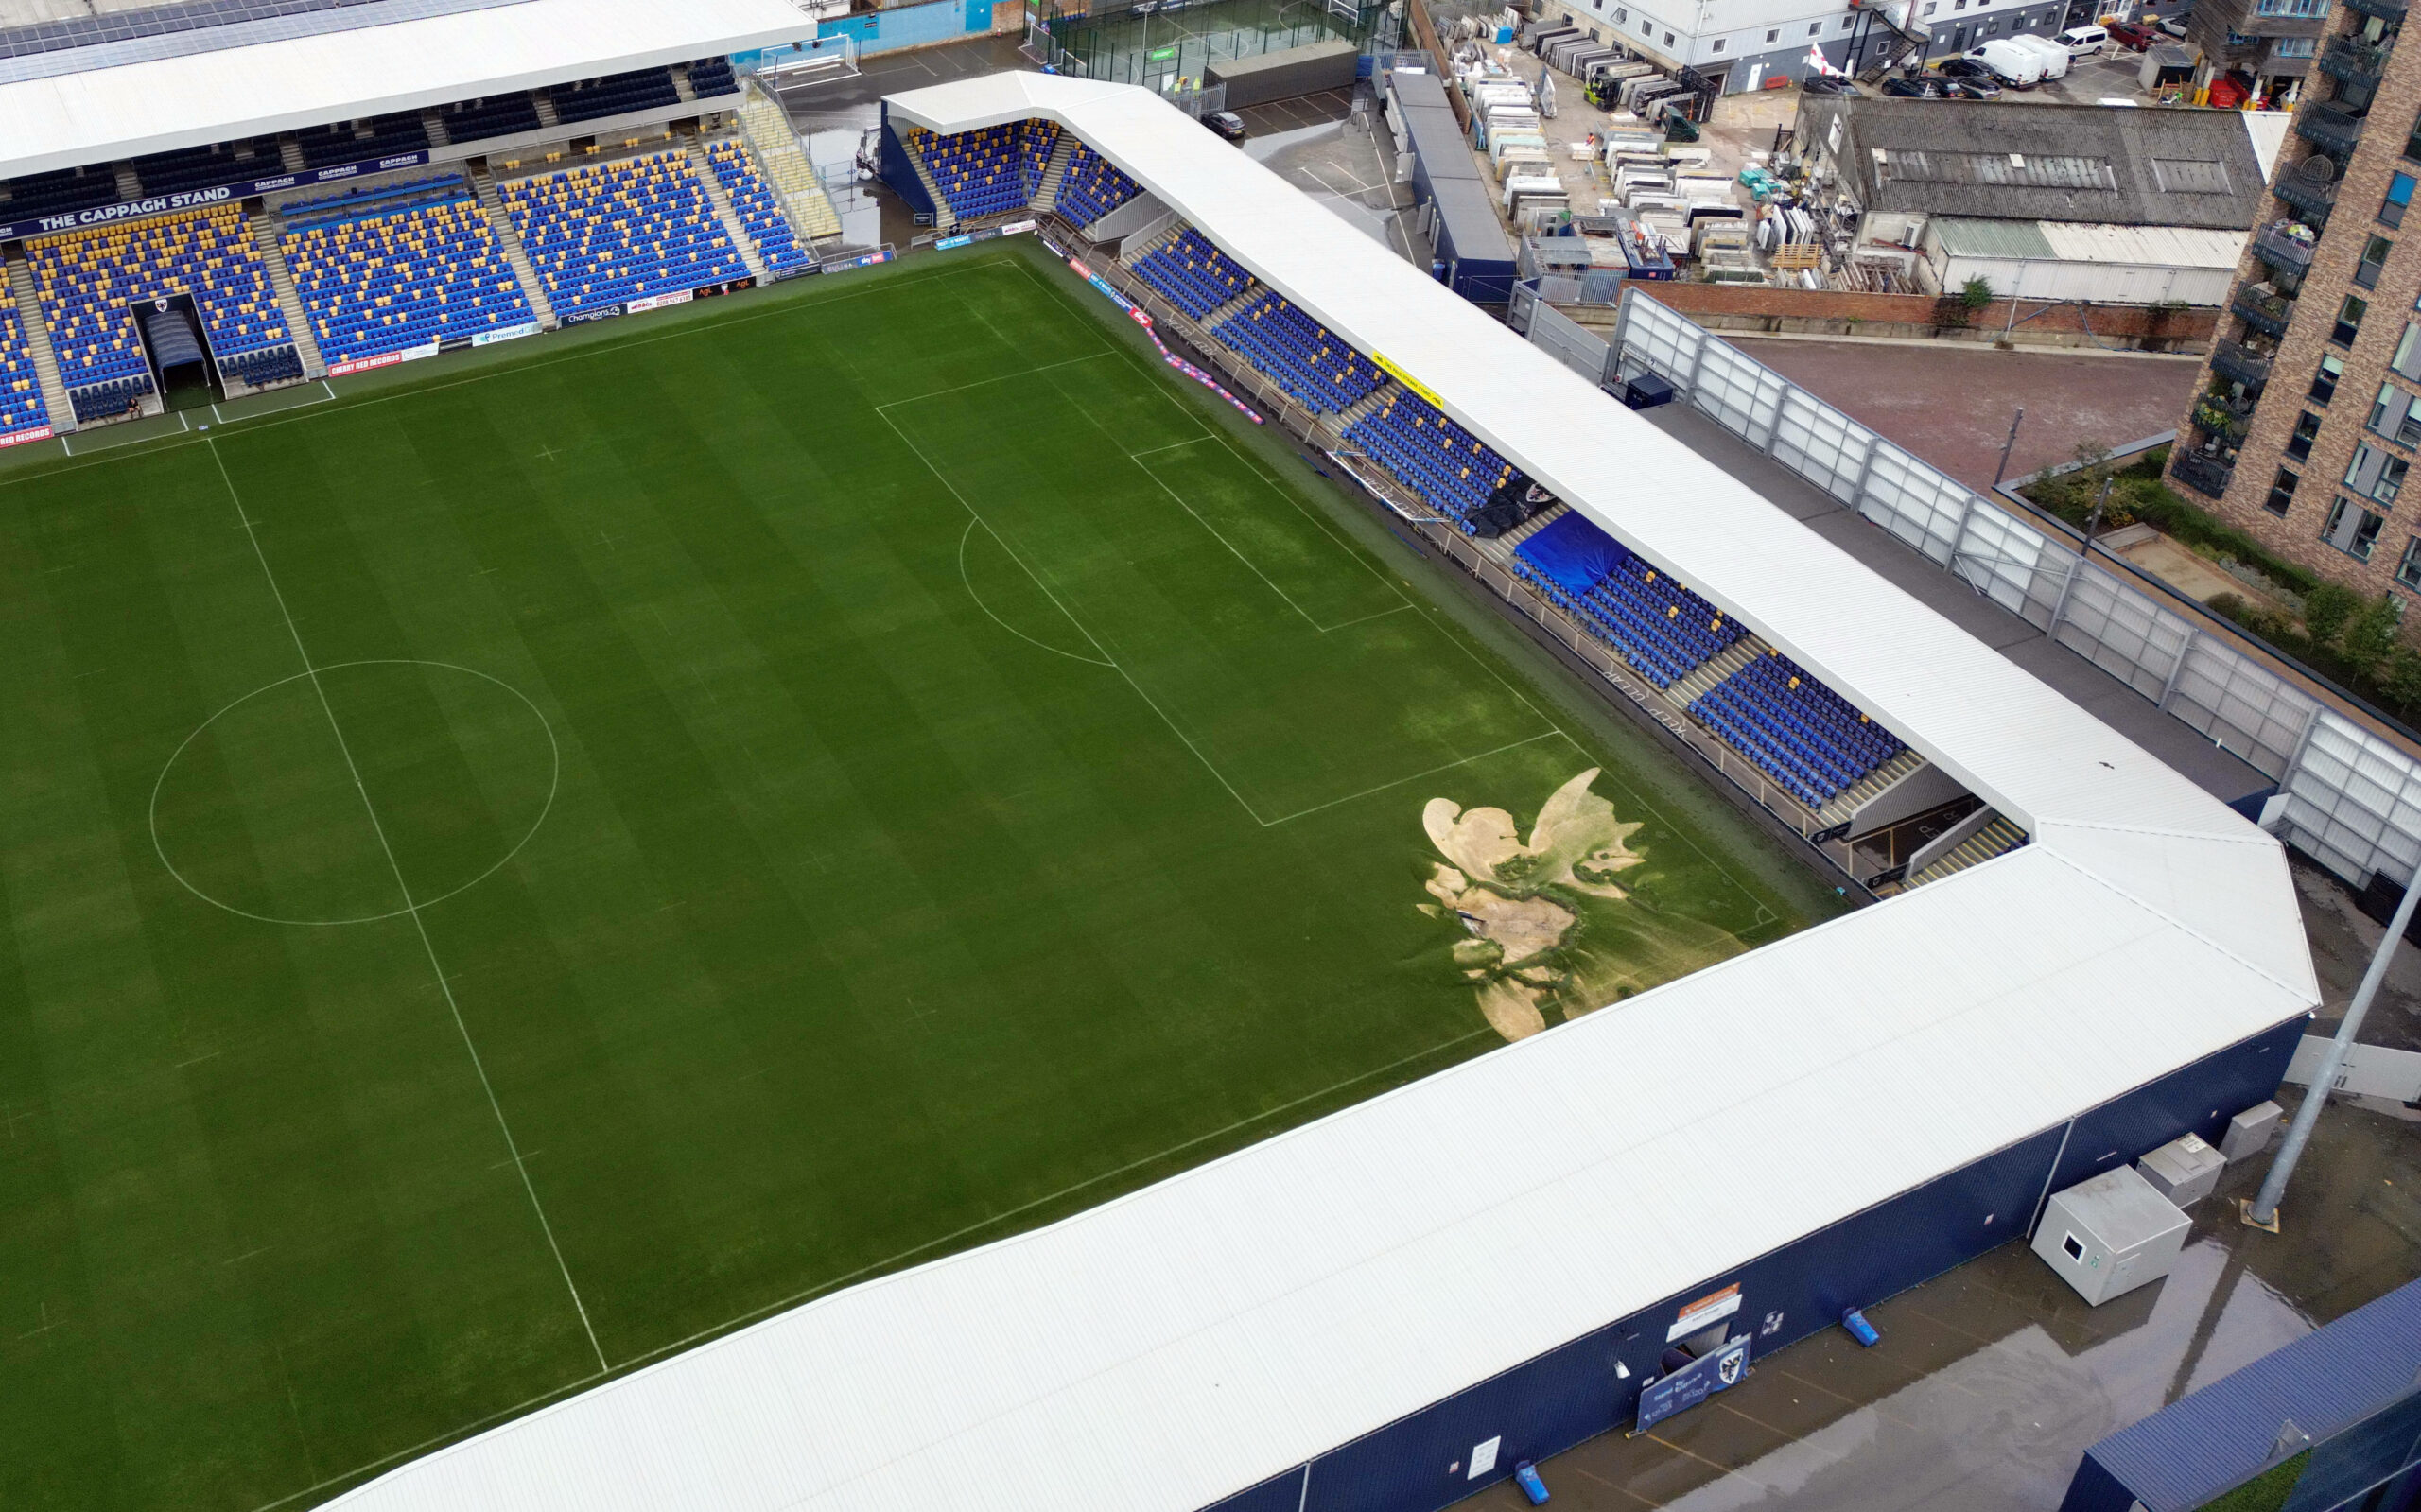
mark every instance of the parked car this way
{"type": "Point", "coordinates": [1972, 89]}
{"type": "Point", "coordinates": [2134, 35]}
{"type": "Point", "coordinates": [2082, 41]}
{"type": "Point", "coordinates": [2055, 57]}
{"type": "Point", "coordinates": [2174, 25]}
{"type": "Point", "coordinates": [1969, 69]}
{"type": "Point", "coordinates": [2010, 64]}
{"type": "Point", "coordinates": [1230, 126]}
{"type": "Point", "coordinates": [1897, 87]}
{"type": "Point", "coordinates": [1832, 84]}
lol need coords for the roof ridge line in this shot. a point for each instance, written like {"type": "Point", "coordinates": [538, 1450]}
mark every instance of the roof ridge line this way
{"type": "Point", "coordinates": [2080, 869]}
{"type": "Point", "coordinates": [2259, 835]}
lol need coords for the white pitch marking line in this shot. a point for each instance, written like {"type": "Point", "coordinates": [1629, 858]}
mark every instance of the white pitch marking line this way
{"type": "Point", "coordinates": [1542, 734]}
{"type": "Point", "coordinates": [419, 925]}
{"type": "Point", "coordinates": [1005, 377]}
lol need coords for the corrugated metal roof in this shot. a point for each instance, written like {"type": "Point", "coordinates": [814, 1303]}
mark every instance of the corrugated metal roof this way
{"type": "Point", "coordinates": [2220, 1435]}
{"type": "Point", "coordinates": [1963, 237]}
{"type": "Point", "coordinates": [1225, 1325]}
{"type": "Point", "coordinates": [2080, 242]}
{"type": "Point", "coordinates": [74, 119]}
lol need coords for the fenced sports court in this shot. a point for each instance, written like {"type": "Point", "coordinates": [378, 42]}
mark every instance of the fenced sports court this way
{"type": "Point", "coordinates": [1169, 47]}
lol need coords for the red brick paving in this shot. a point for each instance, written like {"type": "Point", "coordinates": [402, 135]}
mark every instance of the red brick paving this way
{"type": "Point", "coordinates": [1950, 405]}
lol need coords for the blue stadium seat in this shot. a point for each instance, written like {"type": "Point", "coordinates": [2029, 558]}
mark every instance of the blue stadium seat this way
{"type": "Point", "coordinates": [400, 266]}
{"type": "Point", "coordinates": [709, 76]}
{"type": "Point", "coordinates": [642, 89]}
{"type": "Point", "coordinates": [1811, 741]}
{"type": "Point", "coordinates": [497, 115]}
{"type": "Point", "coordinates": [62, 190]}
{"type": "Point", "coordinates": [87, 281]}
{"type": "Point", "coordinates": [1309, 361]}
{"type": "Point", "coordinates": [21, 402]}
{"type": "Point", "coordinates": [200, 167]}
{"type": "Point", "coordinates": [613, 231]}
{"type": "Point", "coordinates": [1094, 187]}
{"type": "Point", "coordinates": [1191, 275]}
{"type": "Point", "coordinates": [359, 141]}
{"type": "Point", "coordinates": [761, 214]}
{"type": "Point", "coordinates": [987, 172]}
{"type": "Point", "coordinates": [1662, 629]}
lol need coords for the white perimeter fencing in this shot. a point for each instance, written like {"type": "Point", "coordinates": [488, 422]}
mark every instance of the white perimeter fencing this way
{"type": "Point", "coordinates": [2353, 797]}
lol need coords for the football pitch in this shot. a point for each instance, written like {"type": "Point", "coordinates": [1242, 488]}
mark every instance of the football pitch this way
{"type": "Point", "coordinates": [513, 871]}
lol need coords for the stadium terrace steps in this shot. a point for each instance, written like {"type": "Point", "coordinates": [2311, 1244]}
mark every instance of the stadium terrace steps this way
{"type": "Point", "coordinates": [742, 242]}
{"type": "Point", "coordinates": [944, 216]}
{"type": "Point", "coordinates": [291, 154]}
{"type": "Point", "coordinates": [767, 130]}
{"type": "Point", "coordinates": [731, 170]}
{"type": "Point", "coordinates": [1054, 173]}
{"type": "Point", "coordinates": [1528, 527]}
{"type": "Point", "coordinates": [680, 85]}
{"type": "Point", "coordinates": [1998, 838]}
{"type": "Point", "coordinates": [53, 393]}
{"type": "Point", "coordinates": [516, 255]}
{"type": "Point", "coordinates": [545, 106]}
{"type": "Point", "coordinates": [1866, 788]}
{"type": "Point", "coordinates": [433, 120]}
{"type": "Point", "coordinates": [129, 188]}
{"type": "Point", "coordinates": [280, 279]}
{"type": "Point", "coordinates": [1703, 677]}
{"type": "Point", "coordinates": [1378, 398]}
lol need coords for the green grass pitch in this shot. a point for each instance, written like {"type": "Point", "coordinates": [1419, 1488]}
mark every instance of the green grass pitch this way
{"type": "Point", "coordinates": [515, 870]}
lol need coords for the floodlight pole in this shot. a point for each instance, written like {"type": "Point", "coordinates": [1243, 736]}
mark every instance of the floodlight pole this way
{"type": "Point", "coordinates": [2263, 1210]}
{"type": "Point", "coordinates": [2006, 445]}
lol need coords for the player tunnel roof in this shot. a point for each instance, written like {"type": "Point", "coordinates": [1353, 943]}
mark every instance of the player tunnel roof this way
{"type": "Point", "coordinates": [1230, 1323]}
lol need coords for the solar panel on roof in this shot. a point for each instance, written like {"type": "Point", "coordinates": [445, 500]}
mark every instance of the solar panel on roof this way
{"type": "Point", "coordinates": [192, 26]}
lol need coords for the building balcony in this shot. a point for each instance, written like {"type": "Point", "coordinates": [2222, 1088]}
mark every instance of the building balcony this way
{"type": "Point", "coordinates": [2224, 418]}
{"type": "Point", "coordinates": [2314, 196]}
{"type": "Point", "coordinates": [2329, 126]}
{"type": "Point", "coordinates": [2239, 364]}
{"type": "Point", "coordinates": [2391, 11]}
{"type": "Point", "coordinates": [2287, 254]}
{"type": "Point", "coordinates": [2353, 62]}
{"type": "Point", "coordinates": [2207, 476]}
{"type": "Point", "coordinates": [2266, 313]}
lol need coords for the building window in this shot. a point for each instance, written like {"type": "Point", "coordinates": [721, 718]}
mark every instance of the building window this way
{"type": "Point", "coordinates": [2282, 494]}
{"type": "Point", "coordinates": [2399, 194]}
{"type": "Point", "coordinates": [1847, 22]}
{"type": "Point", "coordinates": [2306, 429]}
{"type": "Point", "coordinates": [2295, 46]}
{"type": "Point", "coordinates": [1774, 34]}
{"type": "Point", "coordinates": [2408, 571]}
{"type": "Point", "coordinates": [1647, 28]}
{"type": "Point", "coordinates": [2366, 272]}
{"type": "Point", "coordinates": [2349, 320]}
{"type": "Point", "coordinates": [2378, 473]}
{"type": "Point", "coordinates": [2290, 8]}
{"type": "Point", "coordinates": [2323, 383]}
{"type": "Point", "coordinates": [1668, 39]}
{"type": "Point", "coordinates": [2397, 415]}
{"type": "Point", "coordinates": [2352, 530]}
{"type": "Point", "coordinates": [1932, 6]}
{"type": "Point", "coordinates": [2412, 141]}
{"type": "Point", "coordinates": [1718, 48]}
{"type": "Point", "coordinates": [1815, 27]}
{"type": "Point", "coordinates": [1992, 25]}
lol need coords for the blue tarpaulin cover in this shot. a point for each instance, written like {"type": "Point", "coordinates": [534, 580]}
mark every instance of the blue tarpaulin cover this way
{"type": "Point", "coordinates": [1572, 554]}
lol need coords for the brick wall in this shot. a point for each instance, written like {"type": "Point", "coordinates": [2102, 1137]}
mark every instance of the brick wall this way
{"type": "Point", "coordinates": [2342, 420]}
{"type": "Point", "coordinates": [2159, 329]}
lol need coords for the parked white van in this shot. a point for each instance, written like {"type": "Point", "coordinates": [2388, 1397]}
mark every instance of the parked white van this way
{"type": "Point", "coordinates": [2055, 57]}
{"type": "Point", "coordinates": [2019, 67]}
{"type": "Point", "coordinates": [2083, 40]}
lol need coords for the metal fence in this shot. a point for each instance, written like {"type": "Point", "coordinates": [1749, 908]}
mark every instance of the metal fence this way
{"type": "Point", "coordinates": [2353, 796]}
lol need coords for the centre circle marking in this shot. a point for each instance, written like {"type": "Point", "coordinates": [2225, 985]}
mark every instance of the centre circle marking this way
{"type": "Point", "coordinates": [555, 781]}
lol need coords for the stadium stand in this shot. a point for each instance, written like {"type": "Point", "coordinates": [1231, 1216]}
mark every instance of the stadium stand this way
{"type": "Point", "coordinates": [709, 76]}
{"type": "Point", "coordinates": [1094, 187]}
{"type": "Point", "coordinates": [1034, 156]}
{"type": "Point", "coordinates": [358, 141]}
{"type": "Point", "coordinates": [497, 115]}
{"type": "Point", "coordinates": [642, 89]}
{"type": "Point", "coordinates": [611, 232]}
{"type": "Point", "coordinates": [1428, 453]}
{"type": "Point", "coordinates": [1306, 358]}
{"type": "Point", "coordinates": [1191, 275]}
{"type": "Point", "coordinates": [979, 172]}
{"type": "Point", "coordinates": [88, 280]}
{"type": "Point", "coordinates": [1662, 629]}
{"type": "Point", "coordinates": [21, 404]}
{"type": "Point", "coordinates": [1809, 740]}
{"type": "Point", "coordinates": [761, 214]}
{"type": "Point", "coordinates": [51, 194]}
{"type": "Point", "coordinates": [200, 167]}
{"type": "Point", "coordinates": [399, 267]}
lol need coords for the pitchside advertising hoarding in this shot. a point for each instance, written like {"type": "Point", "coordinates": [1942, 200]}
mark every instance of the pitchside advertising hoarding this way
{"type": "Point", "coordinates": [197, 198]}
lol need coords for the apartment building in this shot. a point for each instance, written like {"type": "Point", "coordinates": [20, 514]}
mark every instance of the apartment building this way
{"type": "Point", "coordinates": [2309, 412]}
{"type": "Point", "coordinates": [2271, 42]}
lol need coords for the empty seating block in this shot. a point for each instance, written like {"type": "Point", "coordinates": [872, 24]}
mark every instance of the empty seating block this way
{"type": "Point", "coordinates": [202, 166]}
{"type": "Point", "coordinates": [497, 116]}
{"type": "Point", "coordinates": [359, 141]}
{"type": "Point", "coordinates": [1094, 187]}
{"type": "Point", "coordinates": [613, 231]}
{"type": "Point", "coordinates": [712, 75]}
{"type": "Point", "coordinates": [1306, 360]}
{"type": "Point", "coordinates": [761, 214]}
{"type": "Point", "coordinates": [1191, 275]}
{"type": "Point", "coordinates": [1812, 742]}
{"type": "Point", "coordinates": [87, 281]}
{"type": "Point", "coordinates": [50, 194]}
{"type": "Point", "coordinates": [642, 89]}
{"type": "Point", "coordinates": [20, 406]}
{"type": "Point", "coordinates": [978, 172]}
{"type": "Point", "coordinates": [399, 268]}
{"type": "Point", "coordinates": [1436, 459]}
{"type": "Point", "coordinates": [1034, 156]}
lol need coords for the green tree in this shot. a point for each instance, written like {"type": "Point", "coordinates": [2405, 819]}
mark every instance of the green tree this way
{"type": "Point", "coordinates": [2402, 681]}
{"type": "Point", "coordinates": [2327, 609]}
{"type": "Point", "coordinates": [1976, 293]}
{"type": "Point", "coordinates": [2370, 635]}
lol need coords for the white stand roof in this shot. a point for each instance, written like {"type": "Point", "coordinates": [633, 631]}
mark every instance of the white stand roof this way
{"type": "Point", "coordinates": [193, 100]}
{"type": "Point", "coordinates": [1215, 1329]}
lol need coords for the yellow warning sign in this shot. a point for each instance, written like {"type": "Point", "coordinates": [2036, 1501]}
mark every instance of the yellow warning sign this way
{"type": "Point", "coordinates": [1407, 380]}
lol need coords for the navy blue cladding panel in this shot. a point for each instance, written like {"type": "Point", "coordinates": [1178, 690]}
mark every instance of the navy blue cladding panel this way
{"type": "Point", "coordinates": [1548, 1404]}
{"type": "Point", "coordinates": [1280, 1493]}
{"type": "Point", "coordinates": [899, 172]}
{"type": "Point", "coordinates": [2199, 1099]}
{"type": "Point", "coordinates": [2096, 1489]}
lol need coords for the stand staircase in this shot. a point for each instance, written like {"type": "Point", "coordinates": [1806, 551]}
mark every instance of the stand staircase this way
{"type": "Point", "coordinates": [1046, 192]}
{"type": "Point", "coordinates": [732, 227]}
{"type": "Point", "coordinates": [1376, 399]}
{"type": "Point", "coordinates": [546, 108]}
{"type": "Point", "coordinates": [766, 128]}
{"type": "Point", "coordinates": [1997, 838]}
{"type": "Point", "coordinates": [54, 391]}
{"type": "Point", "coordinates": [1847, 801]}
{"type": "Point", "coordinates": [289, 299]}
{"type": "Point", "coordinates": [516, 255]}
{"type": "Point", "coordinates": [1698, 680]}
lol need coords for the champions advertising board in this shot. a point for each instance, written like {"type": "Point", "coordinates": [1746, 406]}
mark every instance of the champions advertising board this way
{"type": "Point", "coordinates": [195, 199]}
